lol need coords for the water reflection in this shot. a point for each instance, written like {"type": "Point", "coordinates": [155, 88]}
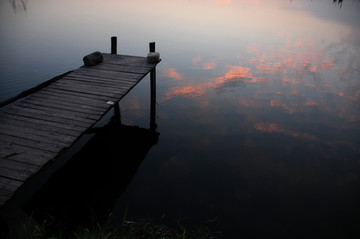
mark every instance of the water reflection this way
{"type": "Point", "coordinates": [277, 128]}
{"type": "Point", "coordinates": [339, 2]}
{"type": "Point", "coordinates": [84, 191]}
{"type": "Point", "coordinates": [172, 73]}
{"type": "Point", "coordinates": [18, 5]}
{"type": "Point", "coordinates": [298, 71]}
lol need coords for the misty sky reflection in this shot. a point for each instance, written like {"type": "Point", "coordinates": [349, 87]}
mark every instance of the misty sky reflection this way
{"type": "Point", "coordinates": [259, 122]}
{"type": "Point", "coordinates": [258, 103]}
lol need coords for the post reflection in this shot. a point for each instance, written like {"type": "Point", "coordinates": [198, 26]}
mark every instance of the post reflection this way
{"type": "Point", "coordinates": [18, 5]}
{"type": "Point", "coordinates": [339, 2]}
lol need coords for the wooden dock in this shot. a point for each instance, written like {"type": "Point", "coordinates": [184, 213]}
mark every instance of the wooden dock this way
{"type": "Point", "coordinates": [36, 129]}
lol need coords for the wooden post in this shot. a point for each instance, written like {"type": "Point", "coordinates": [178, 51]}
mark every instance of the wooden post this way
{"type": "Point", "coordinates": [153, 125]}
{"type": "Point", "coordinates": [152, 47]}
{"type": "Point", "coordinates": [117, 114]}
{"type": "Point", "coordinates": [113, 45]}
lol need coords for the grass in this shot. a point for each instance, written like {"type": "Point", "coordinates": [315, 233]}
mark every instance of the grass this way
{"type": "Point", "coordinates": [140, 229]}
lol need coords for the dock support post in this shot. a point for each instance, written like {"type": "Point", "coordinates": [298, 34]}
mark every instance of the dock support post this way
{"type": "Point", "coordinates": [153, 125]}
{"type": "Point", "coordinates": [113, 45]}
{"type": "Point", "coordinates": [117, 114]}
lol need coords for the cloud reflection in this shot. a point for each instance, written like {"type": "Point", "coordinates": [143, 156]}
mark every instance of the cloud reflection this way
{"type": "Point", "coordinates": [235, 73]}
{"type": "Point", "coordinates": [289, 65]}
{"type": "Point", "coordinates": [270, 127]}
{"type": "Point", "coordinates": [232, 74]}
{"type": "Point", "coordinates": [172, 73]}
{"type": "Point", "coordinates": [311, 103]}
{"type": "Point", "coordinates": [296, 76]}
{"type": "Point", "coordinates": [186, 91]}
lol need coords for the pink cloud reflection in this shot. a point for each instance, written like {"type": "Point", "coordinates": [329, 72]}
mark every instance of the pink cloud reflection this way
{"type": "Point", "coordinates": [186, 91]}
{"type": "Point", "coordinates": [172, 73]}
{"type": "Point", "coordinates": [271, 127]}
{"type": "Point", "coordinates": [311, 103]}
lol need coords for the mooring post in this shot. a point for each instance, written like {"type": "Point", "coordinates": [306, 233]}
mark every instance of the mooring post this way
{"type": "Point", "coordinates": [153, 125]}
{"type": "Point", "coordinates": [152, 47]}
{"type": "Point", "coordinates": [113, 45]}
{"type": "Point", "coordinates": [117, 114]}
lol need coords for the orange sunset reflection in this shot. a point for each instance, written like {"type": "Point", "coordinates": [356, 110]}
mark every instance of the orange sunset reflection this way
{"type": "Point", "coordinates": [297, 56]}
{"type": "Point", "coordinates": [186, 91]}
{"type": "Point", "coordinates": [291, 72]}
{"type": "Point", "coordinates": [233, 73]}
{"type": "Point", "coordinates": [172, 73]}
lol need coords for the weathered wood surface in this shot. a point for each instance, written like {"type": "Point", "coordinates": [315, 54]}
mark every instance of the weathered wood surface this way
{"type": "Point", "coordinates": [37, 128]}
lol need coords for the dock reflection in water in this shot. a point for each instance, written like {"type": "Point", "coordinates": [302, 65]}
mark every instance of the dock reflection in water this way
{"type": "Point", "coordinates": [84, 190]}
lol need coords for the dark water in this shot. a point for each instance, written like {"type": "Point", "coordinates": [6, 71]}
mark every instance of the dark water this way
{"type": "Point", "coordinates": [258, 105]}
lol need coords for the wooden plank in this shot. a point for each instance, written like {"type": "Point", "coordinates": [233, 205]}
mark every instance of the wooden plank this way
{"type": "Point", "coordinates": [34, 142]}
{"type": "Point", "coordinates": [107, 86]}
{"type": "Point", "coordinates": [71, 98]}
{"type": "Point", "coordinates": [16, 170]}
{"type": "Point", "coordinates": [136, 64]}
{"type": "Point", "coordinates": [75, 118]}
{"type": "Point", "coordinates": [102, 74]}
{"type": "Point", "coordinates": [125, 83]}
{"type": "Point", "coordinates": [104, 92]}
{"type": "Point", "coordinates": [46, 110]}
{"type": "Point", "coordinates": [43, 136]}
{"type": "Point", "coordinates": [66, 93]}
{"type": "Point", "coordinates": [87, 90]}
{"type": "Point", "coordinates": [48, 122]}
{"type": "Point", "coordinates": [63, 105]}
{"type": "Point", "coordinates": [24, 167]}
{"type": "Point", "coordinates": [72, 110]}
{"type": "Point", "coordinates": [124, 93]}
{"type": "Point", "coordinates": [50, 134]}
{"type": "Point", "coordinates": [31, 125]}
{"type": "Point", "coordinates": [127, 60]}
{"type": "Point", "coordinates": [91, 88]}
{"type": "Point", "coordinates": [9, 185]}
{"type": "Point", "coordinates": [25, 154]}
{"type": "Point", "coordinates": [49, 118]}
{"type": "Point", "coordinates": [120, 68]}
{"type": "Point", "coordinates": [101, 82]}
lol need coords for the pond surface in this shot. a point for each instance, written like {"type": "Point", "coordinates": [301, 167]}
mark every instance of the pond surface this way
{"type": "Point", "coordinates": [258, 104]}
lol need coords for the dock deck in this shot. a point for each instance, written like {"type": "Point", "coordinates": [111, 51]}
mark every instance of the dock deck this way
{"type": "Point", "coordinates": [36, 129]}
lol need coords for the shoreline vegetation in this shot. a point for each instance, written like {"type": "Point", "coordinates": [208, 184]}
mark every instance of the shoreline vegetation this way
{"type": "Point", "coordinates": [128, 229]}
